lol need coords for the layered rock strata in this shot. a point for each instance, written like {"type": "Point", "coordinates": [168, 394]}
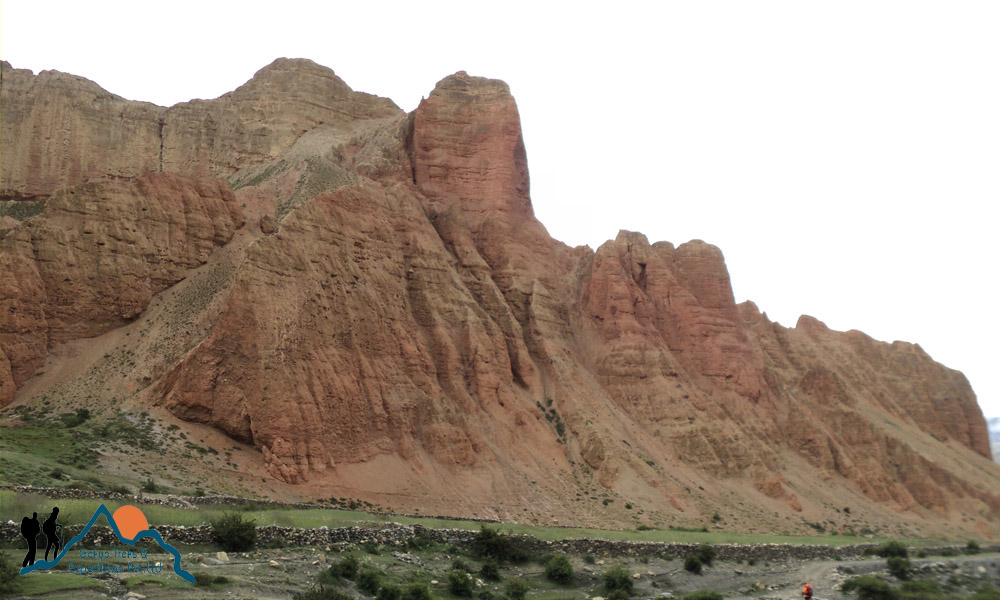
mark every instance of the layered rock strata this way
{"type": "Point", "coordinates": [400, 323]}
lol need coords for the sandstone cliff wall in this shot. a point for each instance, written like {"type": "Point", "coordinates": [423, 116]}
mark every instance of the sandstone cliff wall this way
{"type": "Point", "coordinates": [400, 323]}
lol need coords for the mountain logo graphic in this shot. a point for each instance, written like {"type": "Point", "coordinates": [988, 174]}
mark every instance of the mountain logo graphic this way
{"type": "Point", "coordinates": [128, 523]}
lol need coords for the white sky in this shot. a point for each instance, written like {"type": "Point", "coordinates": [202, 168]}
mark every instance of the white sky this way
{"type": "Point", "coordinates": [845, 156]}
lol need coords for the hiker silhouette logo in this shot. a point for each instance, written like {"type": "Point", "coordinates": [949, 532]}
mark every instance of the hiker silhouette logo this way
{"type": "Point", "coordinates": [128, 523]}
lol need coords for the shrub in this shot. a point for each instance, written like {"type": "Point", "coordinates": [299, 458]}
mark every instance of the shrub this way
{"type": "Point", "coordinates": [703, 595]}
{"type": "Point", "coordinates": [150, 486]}
{"type": "Point", "coordinates": [420, 541]}
{"type": "Point", "coordinates": [589, 559]}
{"type": "Point", "coordinates": [491, 543]}
{"type": "Point", "coordinates": [323, 593]}
{"type": "Point", "coordinates": [706, 554]}
{"type": "Point", "coordinates": [368, 581]}
{"type": "Point", "coordinates": [389, 592]}
{"type": "Point", "coordinates": [559, 570]}
{"type": "Point", "coordinates": [56, 473]}
{"type": "Point", "coordinates": [234, 533]}
{"type": "Point", "coordinates": [972, 547]}
{"type": "Point", "coordinates": [459, 565]}
{"type": "Point", "coordinates": [868, 587]}
{"type": "Point", "coordinates": [417, 591]}
{"type": "Point", "coordinates": [617, 578]}
{"type": "Point", "coordinates": [372, 548]}
{"type": "Point", "coordinates": [925, 589]}
{"type": "Point", "coordinates": [516, 589]}
{"type": "Point", "coordinates": [892, 548]}
{"type": "Point", "coordinates": [205, 580]}
{"type": "Point", "coordinates": [490, 570]}
{"type": "Point", "coordinates": [346, 568]}
{"type": "Point", "coordinates": [899, 567]}
{"type": "Point", "coordinates": [619, 595]}
{"type": "Point", "coordinates": [485, 594]}
{"type": "Point", "coordinates": [692, 564]}
{"type": "Point", "coordinates": [8, 573]}
{"type": "Point", "coordinates": [459, 583]}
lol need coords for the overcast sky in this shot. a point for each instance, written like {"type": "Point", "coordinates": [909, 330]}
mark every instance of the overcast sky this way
{"type": "Point", "coordinates": [845, 156]}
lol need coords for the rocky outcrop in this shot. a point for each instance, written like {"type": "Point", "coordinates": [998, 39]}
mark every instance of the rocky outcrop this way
{"type": "Point", "coordinates": [400, 324]}
{"type": "Point", "coordinates": [61, 130]}
{"type": "Point", "coordinates": [100, 252]}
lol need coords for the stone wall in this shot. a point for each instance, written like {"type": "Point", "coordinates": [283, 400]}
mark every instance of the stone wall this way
{"type": "Point", "coordinates": [395, 534]}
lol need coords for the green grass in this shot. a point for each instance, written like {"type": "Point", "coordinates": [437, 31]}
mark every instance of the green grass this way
{"type": "Point", "coordinates": [51, 442]}
{"type": "Point", "coordinates": [138, 582]}
{"type": "Point", "coordinates": [79, 511]}
{"type": "Point", "coordinates": [34, 584]}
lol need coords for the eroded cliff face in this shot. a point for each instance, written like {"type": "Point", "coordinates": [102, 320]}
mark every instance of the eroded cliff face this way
{"type": "Point", "coordinates": [99, 253]}
{"type": "Point", "coordinates": [399, 324]}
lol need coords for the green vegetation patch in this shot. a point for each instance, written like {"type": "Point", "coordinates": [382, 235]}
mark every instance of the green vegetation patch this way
{"type": "Point", "coordinates": [21, 209]}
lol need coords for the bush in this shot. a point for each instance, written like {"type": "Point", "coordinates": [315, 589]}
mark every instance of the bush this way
{"type": "Point", "coordinates": [899, 567]}
{"type": "Point", "coordinates": [491, 543]}
{"type": "Point", "coordinates": [420, 541]}
{"type": "Point", "coordinates": [205, 580]}
{"type": "Point", "coordinates": [417, 591]}
{"type": "Point", "coordinates": [692, 564]}
{"type": "Point", "coordinates": [868, 587]}
{"type": "Point", "coordinates": [459, 583]}
{"type": "Point", "coordinates": [559, 570]}
{"type": "Point", "coordinates": [972, 547]}
{"type": "Point", "coordinates": [8, 573]}
{"type": "Point", "coordinates": [150, 486]}
{"type": "Point", "coordinates": [234, 533]}
{"type": "Point", "coordinates": [389, 592]}
{"type": "Point", "coordinates": [368, 581]}
{"type": "Point", "coordinates": [619, 595]}
{"type": "Point", "coordinates": [925, 589]}
{"type": "Point", "coordinates": [490, 571]}
{"type": "Point", "coordinates": [703, 595]}
{"type": "Point", "coordinates": [323, 593]}
{"type": "Point", "coordinates": [346, 568]}
{"type": "Point", "coordinates": [706, 554]}
{"type": "Point", "coordinates": [892, 548]}
{"type": "Point", "coordinates": [516, 589]}
{"type": "Point", "coordinates": [617, 578]}
{"type": "Point", "coordinates": [459, 565]}
{"type": "Point", "coordinates": [589, 559]}
{"type": "Point", "coordinates": [485, 594]}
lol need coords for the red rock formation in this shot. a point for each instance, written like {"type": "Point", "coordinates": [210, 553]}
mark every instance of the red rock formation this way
{"type": "Point", "coordinates": [100, 252]}
{"type": "Point", "coordinates": [60, 130]}
{"type": "Point", "coordinates": [397, 306]}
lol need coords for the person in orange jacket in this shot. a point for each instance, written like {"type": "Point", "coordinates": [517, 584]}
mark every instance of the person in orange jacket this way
{"type": "Point", "coordinates": [807, 591]}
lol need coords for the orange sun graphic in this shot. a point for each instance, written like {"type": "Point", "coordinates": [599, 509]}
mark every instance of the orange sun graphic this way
{"type": "Point", "coordinates": [130, 521]}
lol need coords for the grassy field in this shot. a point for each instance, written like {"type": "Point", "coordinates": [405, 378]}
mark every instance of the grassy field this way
{"type": "Point", "coordinates": [14, 505]}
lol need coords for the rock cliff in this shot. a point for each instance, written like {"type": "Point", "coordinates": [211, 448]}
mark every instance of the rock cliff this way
{"type": "Point", "coordinates": [395, 322]}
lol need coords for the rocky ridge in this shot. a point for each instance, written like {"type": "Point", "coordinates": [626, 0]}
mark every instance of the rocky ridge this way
{"type": "Point", "coordinates": [399, 324]}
